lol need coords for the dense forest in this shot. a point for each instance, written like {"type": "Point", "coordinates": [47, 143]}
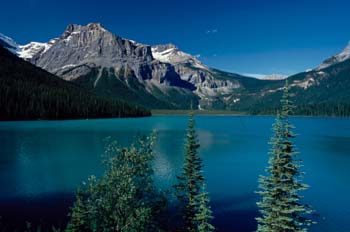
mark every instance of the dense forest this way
{"type": "Point", "coordinates": [30, 93]}
{"type": "Point", "coordinates": [323, 109]}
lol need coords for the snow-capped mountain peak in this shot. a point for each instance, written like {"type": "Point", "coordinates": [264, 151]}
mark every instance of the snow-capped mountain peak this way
{"type": "Point", "coordinates": [164, 53]}
{"type": "Point", "coordinates": [342, 56]}
{"type": "Point", "coordinates": [169, 53]}
{"type": "Point", "coordinates": [27, 51]}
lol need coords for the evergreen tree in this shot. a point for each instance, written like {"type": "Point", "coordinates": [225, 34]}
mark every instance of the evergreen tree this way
{"type": "Point", "coordinates": [280, 206]}
{"type": "Point", "coordinates": [124, 199]}
{"type": "Point", "coordinates": [78, 214]}
{"type": "Point", "coordinates": [204, 214]}
{"type": "Point", "coordinates": [193, 202]}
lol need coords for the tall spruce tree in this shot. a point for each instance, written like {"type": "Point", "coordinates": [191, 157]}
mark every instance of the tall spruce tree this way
{"type": "Point", "coordinates": [204, 214]}
{"type": "Point", "coordinates": [280, 207]}
{"type": "Point", "coordinates": [124, 199]}
{"type": "Point", "coordinates": [193, 198]}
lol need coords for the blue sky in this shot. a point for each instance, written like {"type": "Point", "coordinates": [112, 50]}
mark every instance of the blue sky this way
{"type": "Point", "coordinates": [245, 36]}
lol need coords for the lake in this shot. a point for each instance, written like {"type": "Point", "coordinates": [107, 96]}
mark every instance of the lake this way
{"type": "Point", "coordinates": [43, 162]}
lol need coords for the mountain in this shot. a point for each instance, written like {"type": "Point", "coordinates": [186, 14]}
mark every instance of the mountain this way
{"type": "Point", "coordinates": [342, 56]}
{"type": "Point", "coordinates": [28, 92]}
{"type": "Point", "coordinates": [164, 77]}
{"type": "Point", "coordinates": [315, 92]}
{"type": "Point", "coordinates": [324, 92]}
{"type": "Point", "coordinates": [158, 76]}
{"type": "Point", "coordinates": [169, 53]}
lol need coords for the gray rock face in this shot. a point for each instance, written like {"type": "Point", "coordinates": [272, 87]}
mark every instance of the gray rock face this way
{"type": "Point", "coordinates": [92, 45]}
{"type": "Point", "coordinates": [193, 71]}
{"type": "Point", "coordinates": [81, 49]}
{"type": "Point", "coordinates": [92, 56]}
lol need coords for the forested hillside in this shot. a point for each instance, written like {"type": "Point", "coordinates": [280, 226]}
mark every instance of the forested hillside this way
{"type": "Point", "coordinates": [314, 93]}
{"type": "Point", "coordinates": [29, 93]}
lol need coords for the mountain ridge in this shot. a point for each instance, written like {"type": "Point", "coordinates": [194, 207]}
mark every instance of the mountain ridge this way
{"type": "Point", "coordinates": [338, 58]}
{"type": "Point", "coordinates": [83, 50]}
{"type": "Point", "coordinates": [163, 76]}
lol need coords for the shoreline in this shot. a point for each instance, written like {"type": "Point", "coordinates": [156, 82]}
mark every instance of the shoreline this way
{"type": "Point", "coordinates": [228, 113]}
{"type": "Point", "coordinates": [179, 113]}
{"type": "Point", "coordinates": [198, 112]}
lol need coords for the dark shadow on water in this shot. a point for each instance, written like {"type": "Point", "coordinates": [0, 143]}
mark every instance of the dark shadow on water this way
{"type": "Point", "coordinates": [235, 214]}
{"type": "Point", "coordinates": [45, 210]}
{"type": "Point", "coordinates": [232, 214]}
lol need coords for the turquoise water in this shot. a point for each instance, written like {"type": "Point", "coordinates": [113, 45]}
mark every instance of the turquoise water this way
{"type": "Point", "coordinates": [42, 163]}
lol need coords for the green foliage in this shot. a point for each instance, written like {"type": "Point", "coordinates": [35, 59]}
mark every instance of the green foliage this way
{"type": "Point", "coordinates": [28, 92]}
{"type": "Point", "coordinates": [204, 214]}
{"type": "Point", "coordinates": [280, 207]}
{"type": "Point", "coordinates": [190, 190]}
{"type": "Point", "coordinates": [124, 199]}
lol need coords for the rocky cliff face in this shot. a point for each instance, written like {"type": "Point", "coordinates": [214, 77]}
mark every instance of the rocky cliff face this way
{"type": "Point", "coordinates": [91, 54]}
{"type": "Point", "coordinates": [193, 71]}
{"type": "Point", "coordinates": [92, 45]}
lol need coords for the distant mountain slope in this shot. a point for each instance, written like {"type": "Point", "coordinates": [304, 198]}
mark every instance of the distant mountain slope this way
{"type": "Point", "coordinates": [28, 92]}
{"type": "Point", "coordinates": [340, 57]}
{"type": "Point", "coordinates": [324, 92]}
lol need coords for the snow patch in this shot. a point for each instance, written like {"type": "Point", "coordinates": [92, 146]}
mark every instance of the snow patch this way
{"type": "Point", "coordinates": [305, 84]}
{"type": "Point", "coordinates": [200, 65]}
{"type": "Point", "coordinates": [68, 66]}
{"type": "Point", "coordinates": [170, 54]}
{"type": "Point", "coordinates": [236, 100]}
{"type": "Point", "coordinates": [266, 77]}
{"type": "Point", "coordinates": [26, 51]}
{"type": "Point", "coordinates": [29, 50]}
{"type": "Point", "coordinates": [163, 56]}
{"type": "Point", "coordinates": [98, 77]}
